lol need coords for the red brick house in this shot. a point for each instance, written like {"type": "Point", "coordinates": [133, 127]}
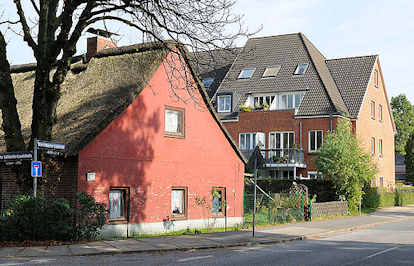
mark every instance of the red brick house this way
{"type": "Point", "coordinates": [134, 145]}
{"type": "Point", "coordinates": [283, 93]}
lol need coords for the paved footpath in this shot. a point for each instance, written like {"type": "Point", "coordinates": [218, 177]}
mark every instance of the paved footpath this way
{"type": "Point", "coordinates": [264, 235]}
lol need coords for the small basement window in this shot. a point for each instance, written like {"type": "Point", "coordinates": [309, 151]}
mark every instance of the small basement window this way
{"type": "Point", "coordinates": [207, 82]}
{"type": "Point", "coordinates": [246, 73]}
{"type": "Point", "coordinates": [271, 71]}
{"type": "Point", "coordinates": [301, 69]}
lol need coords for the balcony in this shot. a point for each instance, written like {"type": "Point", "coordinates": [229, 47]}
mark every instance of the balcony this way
{"type": "Point", "coordinates": [281, 157]}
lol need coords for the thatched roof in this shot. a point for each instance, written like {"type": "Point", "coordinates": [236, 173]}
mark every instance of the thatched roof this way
{"type": "Point", "coordinates": [95, 93]}
{"type": "Point", "coordinates": [92, 95]}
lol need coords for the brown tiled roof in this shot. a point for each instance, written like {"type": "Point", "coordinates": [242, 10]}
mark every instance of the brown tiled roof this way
{"type": "Point", "coordinates": [352, 76]}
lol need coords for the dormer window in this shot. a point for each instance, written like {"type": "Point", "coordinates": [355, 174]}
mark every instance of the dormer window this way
{"type": "Point", "coordinates": [301, 69]}
{"type": "Point", "coordinates": [246, 73]}
{"type": "Point", "coordinates": [207, 82]}
{"type": "Point", "coordinates": [271, 72]}
{"type": "Point", "coordinates": [224, 103]}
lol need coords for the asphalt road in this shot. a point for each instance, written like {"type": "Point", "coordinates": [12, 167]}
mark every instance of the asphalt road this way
{"type": "Point", "coordinates": [390, 244]}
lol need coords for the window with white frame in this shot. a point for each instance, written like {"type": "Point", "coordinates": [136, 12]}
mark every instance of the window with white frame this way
{"type": "Point", "coordinates": [249, 141]}
{"type": "Point", "coordinates": [381, 181]}
{"type": "Point", "coordinates": [224, 103]}
{"type": "Point", "coordinates": [271, 72]}
{"type": "Point", "coordinates": [247, 73]}
{"type": "Point", "coordinates": [260, 101]}
{"type": "Point", "coordinates": [179, 202]}
{"type": "Point", "coordinates": [289, 100]}
{"type": "Point", "coordinates": [380, 113]}
{"type": "Point", "coordinates": [280, 143]}
{"type": "Point", "coordinates": [315, 140]}
{"type": "Point", "coordinates": [174, 122]}
{"type": "Point", "coordinates": [372, 109]}
{"type": "Point", "coordinates": [372, 145]}
{"type": "Point", "coordinates": [376, 78]}
{"type": "Point", "coordinates": [380, 147]}
{"type": "Point", "coordinates": [301, 69]}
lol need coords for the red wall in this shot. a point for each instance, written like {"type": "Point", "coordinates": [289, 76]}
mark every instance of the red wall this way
{"type": "Point", "coordinates": [133, 152]}
{"type": "Point", "coordinates": [280, 120]}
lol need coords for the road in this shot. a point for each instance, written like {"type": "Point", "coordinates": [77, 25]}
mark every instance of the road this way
{"type": "Point", "coordinates": [389, 244]}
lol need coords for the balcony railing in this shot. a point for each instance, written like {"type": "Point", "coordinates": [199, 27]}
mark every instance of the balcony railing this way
{"type": "Point", "coordinates": [282, 157]}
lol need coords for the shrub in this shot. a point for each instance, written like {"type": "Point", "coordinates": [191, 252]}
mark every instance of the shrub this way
{"type": "Point", "coordinates": [377, 197]}
{"type": "Point", "coordinates": [404, 197]}
{"type": "Point", "coordinates": [40, 218]}
{"type": "Point", "coordinates": [89, 218]}
{"type": "Point", "coordinates": [30, 218]}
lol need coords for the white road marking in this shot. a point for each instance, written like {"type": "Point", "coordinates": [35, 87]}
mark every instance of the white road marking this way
{"type": "Point", "coordinates": [195, 258]}
{"type": "Point", "coordinates": [381, 252]}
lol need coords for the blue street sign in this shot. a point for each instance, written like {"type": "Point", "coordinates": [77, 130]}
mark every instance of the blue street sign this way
{"type": "Point", "coordinates": [36, 169]}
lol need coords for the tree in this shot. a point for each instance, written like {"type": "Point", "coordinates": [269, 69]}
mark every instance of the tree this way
{"type": "Point", "coordinates": [57, 26]}
{"type": "Point", "coordinates": [409, 159]}
{"type": "Point", "coordinates": [343, 161]}
{"type": "Point", "coordinates": [403, 113]}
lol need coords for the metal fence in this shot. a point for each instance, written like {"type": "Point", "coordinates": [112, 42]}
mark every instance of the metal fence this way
{"type": "Point", "coordinates": [283, 208]}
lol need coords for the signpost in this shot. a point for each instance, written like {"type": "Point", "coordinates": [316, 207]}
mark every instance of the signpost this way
{"type": "Point", "coordinates": [52, 148]}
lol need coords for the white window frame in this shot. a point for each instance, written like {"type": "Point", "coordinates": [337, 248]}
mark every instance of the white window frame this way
{"type": "Point", "coordinates": [316, 140]}
{"type": "Point", "coordinates": [381, 181]}
{"type": "Point", "coordinates": [298, 68]}
{"type": "Point", "coordinates": [251, 144]}
{"type": "Point", "coordinates": [372, 145]}
{"type": "Point", "coordinates": [380, 112]}
{"type": "Point", "coordinates": [376, 78]}
{"type": "Point", "coordinates": [218, 103]}
{"type": "Point", "coordinates": [380, 154]}
{"type": "Point", "coordinates": [275, 68]}
{"type": "Point", "coordinates": [241, 76]}
{"type": "Point", "coordinates": [373, 110]}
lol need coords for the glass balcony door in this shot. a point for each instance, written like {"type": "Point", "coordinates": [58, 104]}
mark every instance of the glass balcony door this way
{"type": "Point", "coordinates": [281, 143]}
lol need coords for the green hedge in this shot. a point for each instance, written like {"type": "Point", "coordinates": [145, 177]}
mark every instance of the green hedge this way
{"type": "Point", "coordinates": [40, 218]}
{"type": "Point", "coordinates": [404, 197]}
{"type": "Point", "coordinates": [323, 189]}
{"type": "Point", "coordinates": [377, 197]}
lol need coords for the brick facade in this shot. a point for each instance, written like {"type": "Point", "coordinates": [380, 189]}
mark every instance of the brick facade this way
{"type": "Point", "coordinates": [367, 127]}
{"type": "Point", "coordinates": [282, 121]}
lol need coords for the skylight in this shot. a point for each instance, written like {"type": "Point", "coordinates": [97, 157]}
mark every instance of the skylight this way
{"type": "Point", "coordinates": [207, 82]}
{"type": "Point", "coordinates": [246, 73]}
{"type": "Point", "coordinates": [271, 71]}
{"type": "Point", "coordinates": [301, 69]}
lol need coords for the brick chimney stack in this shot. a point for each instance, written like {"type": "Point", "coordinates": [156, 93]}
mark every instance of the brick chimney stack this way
{"type": "Point", "coordinates": [97, 44]}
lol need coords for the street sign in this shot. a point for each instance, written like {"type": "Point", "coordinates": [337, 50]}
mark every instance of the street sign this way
{"type": "Point", "coordinates": [36, 169]}
{"type": "Point", "coordinates": [15, 156]}
{"type": "Point", "coordinates": [50, 145]}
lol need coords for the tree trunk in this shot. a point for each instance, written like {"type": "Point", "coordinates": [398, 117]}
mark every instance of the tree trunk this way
{"type": "Point", "coordinates": [8, 104]}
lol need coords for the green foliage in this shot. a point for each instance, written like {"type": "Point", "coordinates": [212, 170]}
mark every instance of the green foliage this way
{"type": "Point", "coordinates": [343, 161]}
{"type": "Point", "coordinates": [40, 218]}
{"type": "Point", "coordinates": [89, 217]}
{"type": "Point", "coordinates": [29, 218]}
{"type": "Point", "coordinates": [404, 197]}
{"type": "Point", "coordinates": [409, 159]}
{"type": "Point", "coordinates": [403, 113]}
{"type": "Point", "coordinates": [377, 197]}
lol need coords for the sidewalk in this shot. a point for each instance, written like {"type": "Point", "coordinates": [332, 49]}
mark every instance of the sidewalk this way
{"type": "Point", "coordinates": [266, 235]}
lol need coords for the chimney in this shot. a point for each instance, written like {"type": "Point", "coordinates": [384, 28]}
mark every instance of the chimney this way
{"type": "Point", "coordinates": [97, 44]}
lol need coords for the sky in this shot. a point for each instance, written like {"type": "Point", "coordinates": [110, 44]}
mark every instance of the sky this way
{"type": "Point", "coordinates": [337, 28]}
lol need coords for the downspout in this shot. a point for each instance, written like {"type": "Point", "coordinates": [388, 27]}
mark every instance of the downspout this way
{"type": "Point", "coordinates": [330, 123]}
